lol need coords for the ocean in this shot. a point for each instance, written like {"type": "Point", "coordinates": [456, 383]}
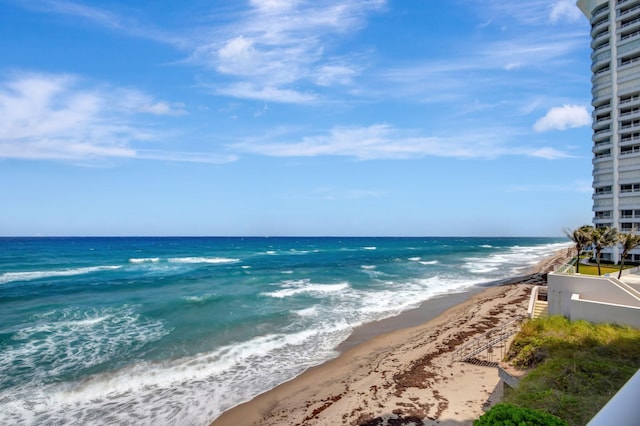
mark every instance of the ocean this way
{"type": "Point", "coordinates": [174, 331]}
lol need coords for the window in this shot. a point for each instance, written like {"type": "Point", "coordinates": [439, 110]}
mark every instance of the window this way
{"type": "Point", "coordinates": [630, 187]}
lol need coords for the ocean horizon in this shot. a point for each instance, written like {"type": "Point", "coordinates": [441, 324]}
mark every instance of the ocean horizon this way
{"type": "Point", "coordinates": [176, 330]}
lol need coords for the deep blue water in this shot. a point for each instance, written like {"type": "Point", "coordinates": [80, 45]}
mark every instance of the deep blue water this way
{"type": "Point", "coordinates": [177, 330]}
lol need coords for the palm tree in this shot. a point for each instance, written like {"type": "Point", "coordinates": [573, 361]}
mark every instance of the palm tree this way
{"type": "Point", "coordinates": [629, 242]}
{"type": "Point", "coordinates": [581, 237]}
{"type": "Point", "coordinates": [601, 238]}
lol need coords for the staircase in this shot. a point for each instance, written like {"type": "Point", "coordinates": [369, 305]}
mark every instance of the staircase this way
{"type": "Point", "coordinates": [540, 309]}
{"type": "Point", "coordinates": [468, 351]}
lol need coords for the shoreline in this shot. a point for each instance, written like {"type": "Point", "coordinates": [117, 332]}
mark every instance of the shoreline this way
{"type": "Point", "coordinates": [400, 368]}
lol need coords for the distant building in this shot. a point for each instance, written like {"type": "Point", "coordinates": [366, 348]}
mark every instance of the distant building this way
{"type": "Point", "coordinates": [615, 67]}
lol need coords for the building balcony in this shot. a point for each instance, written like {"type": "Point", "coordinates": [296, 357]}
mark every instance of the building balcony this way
{"type": "Point", "coordinates": [630, 113]}
{"type": "Point", "coordinates": [602, 196]}
{"type": "Point", "coordinates": [599, 38]}
{"type": "Point", "coordinates": [598, 60]}
{"type": "Point", "coordinates": [603, 108]}
{"type": "Point", "coordinates": [628, 35]}
{"type": "Point", "coordinates": [629, 24]}
{"type": "Point", "coordinates": [599, 26]}
{"type": "Point", "coordinates": [628, 12]}
{"type": "Point", "coordinates": [630, 126]}
{"type": "Point", "coordinates": [600, 49]}
{"type": "Point", "coordinates": [601, 134]}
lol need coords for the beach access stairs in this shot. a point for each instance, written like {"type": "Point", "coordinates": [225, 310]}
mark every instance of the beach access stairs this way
{"type": "Point", "coordinates": [538, 303]}
{"type": "Point", "coordinates": [488, 342]}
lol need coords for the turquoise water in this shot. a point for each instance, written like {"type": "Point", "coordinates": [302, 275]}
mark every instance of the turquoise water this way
{"type": "Point", "coordinates": [177, 330]}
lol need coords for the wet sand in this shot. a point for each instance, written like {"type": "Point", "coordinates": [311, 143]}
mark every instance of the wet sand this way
{"type": "Point", "coordinates": [401, 370]}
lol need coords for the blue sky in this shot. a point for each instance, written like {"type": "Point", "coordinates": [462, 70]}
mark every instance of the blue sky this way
{"type": "Point", "coordinates": [294, 117]}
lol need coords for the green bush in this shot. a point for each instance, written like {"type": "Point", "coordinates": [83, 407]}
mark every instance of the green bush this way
{"type": "Point", "coordinates": [512, 415]}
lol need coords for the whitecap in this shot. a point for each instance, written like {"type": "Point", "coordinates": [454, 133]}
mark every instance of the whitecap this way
{"type": "Point", "coordinates": [429, 262]}
{"type": "Point", "coordinates": [8, 277]}
{"type": "Point", "coordinates": [370, 248]}
{"type": "Point", "coordinates": [200, 299]}
{"type": "Point", "coordinates": [294, 288]}
{"type": "Point", "coordinates": [144, 260]}
{"type": "Point", "coordinates": [212, 260]}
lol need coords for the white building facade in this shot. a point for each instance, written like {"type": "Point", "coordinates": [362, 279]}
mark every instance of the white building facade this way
{"type": "Point", "coordinates": [615, 67]}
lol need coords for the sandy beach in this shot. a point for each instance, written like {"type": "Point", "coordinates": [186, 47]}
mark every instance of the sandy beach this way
{"type": "Point", "coordinates": [407, 375]}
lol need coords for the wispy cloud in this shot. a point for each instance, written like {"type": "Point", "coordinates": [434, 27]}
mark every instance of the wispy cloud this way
{"type": "Point", "coordinates": [382, 141]}
{"type": "Point", "coordinates": [531, 12]}
{"type": "Point", "coordinates": [62, 117]}
{"type": "Point", "coordinates": [277, 45]}
{"type": "Point", "coordinates": [564, 117]}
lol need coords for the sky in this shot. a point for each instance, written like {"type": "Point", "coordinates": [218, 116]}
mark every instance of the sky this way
{"type": "Point", "coordinates": [294, 117]}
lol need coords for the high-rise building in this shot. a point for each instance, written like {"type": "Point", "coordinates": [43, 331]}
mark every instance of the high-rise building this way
{"type": "Point", "coordinates": [615, 67]}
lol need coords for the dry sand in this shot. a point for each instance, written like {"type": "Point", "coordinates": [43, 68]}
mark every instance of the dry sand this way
{"type": "Point", "coordinates": [406, 376]}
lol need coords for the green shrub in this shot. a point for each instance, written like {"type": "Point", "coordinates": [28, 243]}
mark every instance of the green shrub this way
{"type": "Point", "coordinates": [512, 415]}
{"type": "Point", "coordinates": [579, 366]}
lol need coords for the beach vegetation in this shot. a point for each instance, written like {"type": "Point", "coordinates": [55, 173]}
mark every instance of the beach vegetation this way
{"type": "Point", "coordinates": [512, 415]}
{"type": "Point", "coordinates": [581, 237]}
{"type": "Point", "coordinates": [576, 366]}
{"type": "Point", "coordinates": [629, 241]}
{"type": "Point", "coordinates": [602, 238]}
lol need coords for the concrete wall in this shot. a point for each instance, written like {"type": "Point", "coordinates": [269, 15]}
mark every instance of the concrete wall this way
{"type": "Point", "coordinates": [598, 312]}
{"type": "Point", "coordinates": [623, 408]}
{"type": "Point", "coordinates": [599, 299]}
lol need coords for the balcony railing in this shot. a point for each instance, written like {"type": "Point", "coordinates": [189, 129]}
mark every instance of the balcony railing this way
{"type": "Point", "coordinates": [630, 10]}
{"type": "Point", "coordinates": [629, 23]}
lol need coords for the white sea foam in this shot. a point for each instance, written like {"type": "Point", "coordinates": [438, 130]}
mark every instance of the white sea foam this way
{"type": "Point", "coordinates": [200, 299]}
{"type": "Point", "coordinates": [414, 259]}
{"type": "Point", "coordinates": [368, 267]}
{"type": "Point", "coordinates": [308, 312]}
{"type": "Point", "coordinates": [144, 260]}
{"type": "Point", "coordinates": [8, 277]}
{"type": "Point", "coordinates": [513, 260]}
{"type": "Point", "coordinates": [486, 246]}
{"type": "Point", "coordinates": [429, 262]}
{"type": "Point", "coordinates": [68, 340]}
{"type": "Point", "coordinates": [155, 393]}
{"type": "Point", "coordinates": [296, 287]}
{"type": "Point", "coordinates": [212, 260]}
{"type": "Point", "coordinates": [370, 248]}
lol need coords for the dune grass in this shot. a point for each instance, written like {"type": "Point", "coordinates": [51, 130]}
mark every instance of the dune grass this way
{"type": "Point", "coordinates": [577, 366]}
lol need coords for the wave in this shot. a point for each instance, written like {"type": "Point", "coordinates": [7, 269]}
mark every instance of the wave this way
{"type": "Point", "coordinates": [67, 342]}
{"type": "Point", "coordinates": [370, 248]}
{"type": "Point", "coordinates": [144, 260]}
{"type": "Point", "coordinates": [148, 393]}
{"type": "Point", "coordinates": [486, 246]}
{"type": "Point", "coordinates": [212, 260]}
{"type": "Point", "coordinates": [429, 262]}
{"type": "Point", "coordinates": [294, 288]}
{"type": "Point", "coordinates": [8, 277]}
{"type": "Point", "coordinates": [513, 260]}
{"type": "Point", "coordinates": [200, 299]}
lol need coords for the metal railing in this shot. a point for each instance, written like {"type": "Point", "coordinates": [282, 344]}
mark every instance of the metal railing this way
{"type": "Point", "coordinates": [487, 341]}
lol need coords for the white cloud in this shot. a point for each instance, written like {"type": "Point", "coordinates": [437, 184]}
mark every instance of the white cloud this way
{"type": "Point", "coordinates": [61, 117]}
{"type": "Point", "coordinates": [122, 24]}
{"type": "Point", "coordinates": [382, 141]}
{"type": "Point", "coordinates": [564, 117]}
{"type": "Point", "coordinates": [265, 93]}
{"type": "Point", "coordinates": [564, 10]}
{"type": "Point", "coordinates": [280, 45]}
